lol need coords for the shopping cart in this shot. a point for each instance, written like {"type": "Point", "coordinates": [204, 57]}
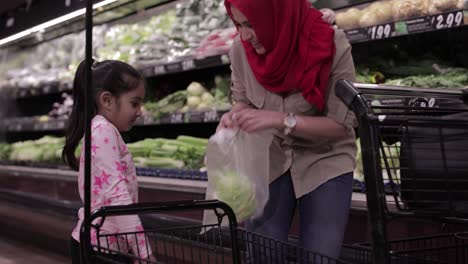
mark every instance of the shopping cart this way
{"type": "Point", "coordinates": [210, 243]}
{"type": "Point", "coordinates": [414, 145]}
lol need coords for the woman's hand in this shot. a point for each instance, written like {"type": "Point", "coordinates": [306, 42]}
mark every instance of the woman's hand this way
{"type": "Point", "coordinates": [227, 120]}
{"type": "Point", "coordinates": [251, 120]}
{"type": "Point", "coordinates": [328, 15]}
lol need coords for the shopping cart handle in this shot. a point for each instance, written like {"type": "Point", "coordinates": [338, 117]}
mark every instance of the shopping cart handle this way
{"type": "Point", "coordinates": [346, 92]}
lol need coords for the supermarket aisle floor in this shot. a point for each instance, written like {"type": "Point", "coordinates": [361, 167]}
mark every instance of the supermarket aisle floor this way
{"type": "Point", "coordinates": [14, 252]}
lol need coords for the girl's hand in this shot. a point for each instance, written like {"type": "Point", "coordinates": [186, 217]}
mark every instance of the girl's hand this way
{"type": "Point", "coordinates": [251, 120]}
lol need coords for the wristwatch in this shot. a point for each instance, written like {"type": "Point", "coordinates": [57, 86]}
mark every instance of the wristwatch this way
{"type": "Point", "coordinates": [289, 123]}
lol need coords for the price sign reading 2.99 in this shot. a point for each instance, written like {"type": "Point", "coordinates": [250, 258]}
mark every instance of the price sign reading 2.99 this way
{"type": "Point", "coordinates": [381, 31]}
{"type": "Point", "coordinates": [447, 20]}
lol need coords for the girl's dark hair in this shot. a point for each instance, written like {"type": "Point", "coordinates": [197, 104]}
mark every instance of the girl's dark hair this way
{"type": "Point", "coordinates": [113, 76]}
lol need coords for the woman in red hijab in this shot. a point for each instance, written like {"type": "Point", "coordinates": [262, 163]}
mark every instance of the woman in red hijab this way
{"type": "Point", "coordinates": [284, 68]}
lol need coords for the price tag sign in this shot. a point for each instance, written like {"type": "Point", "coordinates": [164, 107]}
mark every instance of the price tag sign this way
{"type": "Point", "coordinates": [46, 89]}
{"type": "Point", "coordinates": [61, 125]}
{"type": "Point", "coordinates": [148, 72]}
{"type": "Point", "coordinates": [447, 20]}
{"type": "Point", "coordinates": [210, 116]}
{"type": "Point", "coordinates": [159, 70]}
{"type": "Point", "coordinates": [47, 126]}
{"type": "Point", "coordinates": [188, 65]}
{"type": "Point", "coordinates": [177, 118]}
{"type": "Point", "coordinates": [357, 35]}
{"type": "Point", "coordinates": [381, 31]}
{"type": "Point", "coordinates": [37, 126]}
{"type": "Point", "coordinates": [174, 67]}
{"type": "Point", "coordinates": [148, 120]}
{"type": "Point", "coordinates": [22, 93]}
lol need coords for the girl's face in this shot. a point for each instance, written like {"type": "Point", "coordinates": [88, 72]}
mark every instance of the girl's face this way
{"type": "Point", "coordinates": [246, 30]}
{"type": "Point", "coordinates": [126, 109]}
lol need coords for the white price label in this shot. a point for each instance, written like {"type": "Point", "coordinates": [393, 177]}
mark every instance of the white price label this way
{"type": "Point", "coordinates": [177, 118]}
{"type": "Point", "coordinates": [381, 31]}
{"type": "Point", "coordinates": [188, 65]}
{"type": "Point", "coordinates": [447, 20]}
{"type": "Point", "coordinates": [210, 116]}
{"type": "Point", "coordinates": [148, 120]}
{"type": "Point", "coordinates": [61, 125]}
{"type": "Point", "coordinates": [160, 69]}
{"type": "Point", "coordinates": [46, 89]}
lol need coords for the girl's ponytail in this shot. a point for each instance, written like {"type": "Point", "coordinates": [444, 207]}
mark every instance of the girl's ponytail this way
{"type": "Point", "coordinates": [113, 76]}
{"type": "Point", "coordinates": [75, 129]}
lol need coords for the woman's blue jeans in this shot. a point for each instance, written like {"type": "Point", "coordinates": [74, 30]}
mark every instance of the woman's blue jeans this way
{"type": "Point", "coordinates": [323, 214]}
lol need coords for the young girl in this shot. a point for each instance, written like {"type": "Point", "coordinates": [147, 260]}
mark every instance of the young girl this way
{"type": "Point", "coordinates": [118, 90]}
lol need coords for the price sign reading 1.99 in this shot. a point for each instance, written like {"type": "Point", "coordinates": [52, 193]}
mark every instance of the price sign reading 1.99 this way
{"type": "Point", "coordinates": [382, 31]}
{"type": "Point", "coordinates": [447, 20]}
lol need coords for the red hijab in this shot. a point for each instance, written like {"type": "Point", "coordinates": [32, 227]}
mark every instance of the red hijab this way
{"type": "Point", "coordinates": [299, 46]}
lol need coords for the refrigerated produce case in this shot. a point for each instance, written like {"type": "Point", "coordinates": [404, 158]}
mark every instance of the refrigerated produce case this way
{"type": "Point", "coordinates": [424, 50]}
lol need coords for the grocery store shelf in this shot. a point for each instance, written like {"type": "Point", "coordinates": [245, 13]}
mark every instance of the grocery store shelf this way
{"type": "Point", "coordinates": [183, 118]}
{"type": "Point", "coordinates": [187, 64]}
{"type": "Point", "coordinates": [156, 183]}
{"type": "Point", "coordinates": [33, 124]}
{"type": "Point", "coordinates": [436, 22]}
{"type": "Point", "coordinates": [56, 124]}
{"type": "Point", "coordinates": [53, 87]}
{"type": "Point", "coordinates": [168, 184]}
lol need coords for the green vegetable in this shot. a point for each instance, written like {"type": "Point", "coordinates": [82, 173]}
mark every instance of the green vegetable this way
{"type": "Point", "coordinates": [5, 150]}
{"type": "Point", "coordinates": [202, 142]}
{"type": "Point", "coordinates": [159, 162]}
{"type": "Point", "coordinates": [193, 101]}
{"type": "Point", "coordinates": [237, 191]}
{"type": "Point", "coordinates": [168, 104]}
{"type": "Point", "coordinates": [195, 89]}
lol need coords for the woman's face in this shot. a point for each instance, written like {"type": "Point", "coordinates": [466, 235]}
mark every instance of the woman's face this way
{"type": "Point", "coordinates": [246, 31]}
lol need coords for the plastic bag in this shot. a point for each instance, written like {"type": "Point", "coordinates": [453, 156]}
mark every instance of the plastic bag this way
{"type": "Point", "coordinates": [238, 165]}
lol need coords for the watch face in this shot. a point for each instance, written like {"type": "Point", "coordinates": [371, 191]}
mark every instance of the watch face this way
{"type": "Point", "coordinates": [290, 121]}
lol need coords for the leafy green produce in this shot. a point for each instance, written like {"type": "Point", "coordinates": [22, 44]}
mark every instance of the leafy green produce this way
{"type": "Point", "coordinates": [5, 150]}
{"type": "Point", "coordinates": [189, 152]}
{"type": "Point", "coordinates": [237, 191]}
{"type": "Point", "coordinates": [201, 142]}
{"type": "Point", "coordinates": [167, 105]}
{"type": "Point", "coordinates": [195, 89]}
{"type": "Point", "coordinates": [159, 162]}
{"type": "Point", "coordinates": [390, 158]}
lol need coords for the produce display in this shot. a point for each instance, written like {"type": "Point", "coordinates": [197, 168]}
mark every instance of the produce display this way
{"type": "Point", "coordinates": [193, 28]}
{"type": "Point", "coordinates": [45, 149]}
{"type": "Point", "coordinates": [63, 109]}
{"type": "Point", "coordinates": [217, 42]}
{"type": "Point", "coordinates": [391, 162]}
{"type": "Point", "coordinates": [58, 61]}
{"type": "Point", "coordinates": [195, 97]}
{"type": "Point", "coordinates": [183, 152]}
{"type": "Point", "coordinates": [385, 11]}
{"type": "Point", "coordinates": [425, 73]}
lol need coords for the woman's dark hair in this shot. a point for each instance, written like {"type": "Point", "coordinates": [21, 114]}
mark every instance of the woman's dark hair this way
{"type": "Point", "coordinates": [112, 76]}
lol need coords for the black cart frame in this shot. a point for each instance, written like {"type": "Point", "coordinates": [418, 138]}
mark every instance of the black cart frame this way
{"type": "Point", "coordinates": [412, 142]}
